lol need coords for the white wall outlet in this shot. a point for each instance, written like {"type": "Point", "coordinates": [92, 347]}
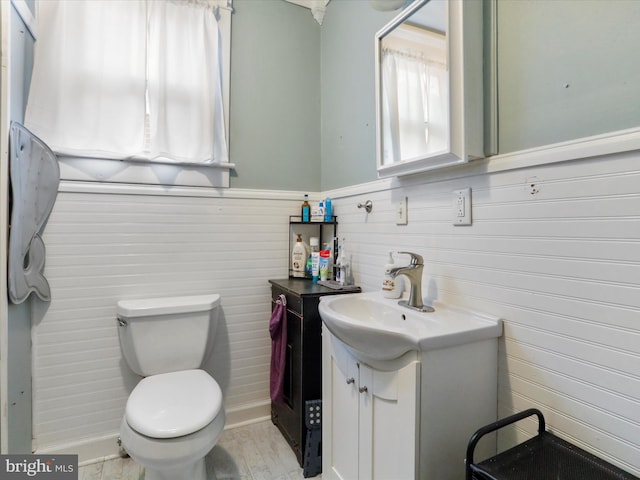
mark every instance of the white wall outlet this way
{"type": "Point", "coordinates": [462, 207]}
{"type": "Point", "coordinates": [401, 212]}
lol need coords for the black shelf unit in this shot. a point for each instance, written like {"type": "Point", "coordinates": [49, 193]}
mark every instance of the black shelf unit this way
{"type": "Point", "coordinates": [320, 230]}
{"type": "Point", "coordinates": [303, 370]}
{"type": "Point", "coordinates": [542, 457]}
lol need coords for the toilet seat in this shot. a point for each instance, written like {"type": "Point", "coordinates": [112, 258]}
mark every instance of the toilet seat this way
{"type": "Point", "coordinates": [169, 453]}
{"type": "Point", "coordinates": [170, 405]}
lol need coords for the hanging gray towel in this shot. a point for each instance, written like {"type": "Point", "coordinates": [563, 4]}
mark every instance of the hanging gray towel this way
{"type": "Point", "coordinates": [35, 177]}
{"type": "Point", "coordinates": [278, 332]}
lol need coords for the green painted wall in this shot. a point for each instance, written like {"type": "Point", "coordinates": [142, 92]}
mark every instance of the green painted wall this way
{"type": "Point", "coordinates": [275, 96]}
{"type": "Point", "coordinates": [302, 112]}
{"type": "Point", "coordinates": [348, 98]}
{"type": "Point", "coordinates": [302, 95]}
{"type": "Point", "coordinates": [566, 69]}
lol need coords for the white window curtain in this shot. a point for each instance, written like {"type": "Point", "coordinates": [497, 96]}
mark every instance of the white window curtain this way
{"type": "Point", "coordinates": [414, 106]}
{"type": "Point", "coordinates": [129, 79]}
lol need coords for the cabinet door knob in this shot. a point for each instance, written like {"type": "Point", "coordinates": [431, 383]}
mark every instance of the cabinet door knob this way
{"type": "Point", "coordinates": [363, 389]}
{"type": "Point", "coordinates": [351, 380]}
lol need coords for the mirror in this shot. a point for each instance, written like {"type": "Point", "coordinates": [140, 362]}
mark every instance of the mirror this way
{"type": "Point", "coordinates": [429, 87]}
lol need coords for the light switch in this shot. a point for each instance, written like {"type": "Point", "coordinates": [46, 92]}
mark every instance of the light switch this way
{"type": "Point", "coordinates": [401, 212]}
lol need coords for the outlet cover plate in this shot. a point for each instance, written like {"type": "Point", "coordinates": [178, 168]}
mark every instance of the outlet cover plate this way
{"type": "Point", "coordinates": [462, 207]}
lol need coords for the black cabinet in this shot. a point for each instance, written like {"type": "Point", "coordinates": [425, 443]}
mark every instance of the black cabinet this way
{"type": "Point", "coordinates": [303, 371]}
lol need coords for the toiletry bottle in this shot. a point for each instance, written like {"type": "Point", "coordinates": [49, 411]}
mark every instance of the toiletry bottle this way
{"type": "Point", "coordinates": [391, 287]}
{"type": "Point", "coordinates": [345, 266]}
{"type": "Point", "coordinates": [308, 270]}
{"type": "Point", "coordinates": [299, 256]}
{"type": "Point", "coordinates": [315, 258]}
{"type": "Point", "coordinates": [328, 210]}
{"type": "Point", "coordinates": [317, 212]}
{"type": "Point", "coordinates": [306, 209]}
{"type": "Point", "coordinates": [325, 263]}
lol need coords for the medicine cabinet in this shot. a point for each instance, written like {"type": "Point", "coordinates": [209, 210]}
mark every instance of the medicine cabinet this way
{"type": "Point", "coordinates": [429, 87]}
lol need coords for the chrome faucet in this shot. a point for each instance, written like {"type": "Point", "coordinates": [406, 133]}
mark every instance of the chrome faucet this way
{"type": "Point", "coordinates": [414, 272]}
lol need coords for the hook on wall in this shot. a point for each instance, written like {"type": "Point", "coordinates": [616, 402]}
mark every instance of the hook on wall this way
{"type": "Point", "coordinates": [368, 206]}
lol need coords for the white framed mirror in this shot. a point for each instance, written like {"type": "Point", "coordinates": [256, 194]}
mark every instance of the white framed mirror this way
{"type": "Point", "coordinates": [429, 87]}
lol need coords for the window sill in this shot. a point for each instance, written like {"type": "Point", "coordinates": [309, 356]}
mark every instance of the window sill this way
{"type": "Point", "coordinates": [130, 172]}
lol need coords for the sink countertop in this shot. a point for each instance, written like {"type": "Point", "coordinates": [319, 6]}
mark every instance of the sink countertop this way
{"type": "Point", "coordinates": [305, 287]}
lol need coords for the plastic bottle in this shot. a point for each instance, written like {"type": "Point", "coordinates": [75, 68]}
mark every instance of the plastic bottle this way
{"type": "Point", "coordinates": [328, 210]}
{"type": "Point", "coordinates": [345, 266]}
{"type": "Point", "coordinates": [391, 287]}
{"type": "Point", "coordinates": [308, 270]}
{"type": "Point", "coordinates": [299, 256]}
{"type": "Point", "coordinates": [317, 212]}
{"type": "Point", "coordinates": [305, 212]}
{"type": "Point", "coordinates": [325, 263]}
{"type": "Point", "coordinates": [315, 258]}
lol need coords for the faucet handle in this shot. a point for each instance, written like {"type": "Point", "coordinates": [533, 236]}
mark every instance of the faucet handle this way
{"type": "Point", "coordinates": [415, 258]}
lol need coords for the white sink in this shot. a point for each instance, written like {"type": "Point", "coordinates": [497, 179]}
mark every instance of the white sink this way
{"type": "Point", "coordinates": [380, 329]}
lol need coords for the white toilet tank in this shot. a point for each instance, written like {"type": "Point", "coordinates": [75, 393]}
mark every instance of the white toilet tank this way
{"type": "Point", "coordinates": [162, 335]}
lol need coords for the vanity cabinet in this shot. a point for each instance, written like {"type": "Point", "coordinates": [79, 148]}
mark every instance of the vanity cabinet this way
{"type": "Point", "coordinates": [303, 370]}
{"type": "Point", "coordinates": [370, 416]}
{"type": "Point", "coordinates": [408, 418]}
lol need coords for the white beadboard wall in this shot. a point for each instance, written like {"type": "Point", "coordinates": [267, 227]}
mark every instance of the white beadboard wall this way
{"type": "Point", "coordinates": [104, 247]}
{"type": "Point", "coordinates": [559, 262]}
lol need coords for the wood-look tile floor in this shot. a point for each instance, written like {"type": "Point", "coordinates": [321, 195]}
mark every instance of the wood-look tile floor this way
{"type": "Point", "coordinates": [252, 452]}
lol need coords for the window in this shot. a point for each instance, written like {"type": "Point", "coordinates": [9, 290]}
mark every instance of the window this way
{"type": "Point", "coordinates": [140, 81]}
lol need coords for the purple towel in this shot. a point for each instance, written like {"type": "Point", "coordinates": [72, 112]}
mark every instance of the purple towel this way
{"type": "Point", "coordinates": [278, 332]}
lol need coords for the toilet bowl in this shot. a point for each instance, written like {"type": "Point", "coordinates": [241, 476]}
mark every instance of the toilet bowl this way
{"type": "Point", "coordinates": [174, 416]}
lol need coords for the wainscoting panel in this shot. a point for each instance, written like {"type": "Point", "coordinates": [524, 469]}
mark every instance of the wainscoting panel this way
{"type": "Point", "coordinates": [553, 250]}
{"type": "Point", "coordinates": [104, 247]}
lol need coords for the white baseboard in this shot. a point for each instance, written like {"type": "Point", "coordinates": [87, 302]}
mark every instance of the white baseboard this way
{"type": "Point", "coordinates": [246, 414]}
{"type": "Point", "coordinates": [92, 450]}
{"type": "Point", "coordinates": [89, 450]}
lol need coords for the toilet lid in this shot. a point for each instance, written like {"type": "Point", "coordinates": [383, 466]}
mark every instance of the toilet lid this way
{"type": "Point", "coordinates": [173, 404]}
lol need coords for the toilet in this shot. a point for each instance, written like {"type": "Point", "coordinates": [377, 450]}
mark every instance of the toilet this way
{"type": "Point", "coordinates": [174, 416]}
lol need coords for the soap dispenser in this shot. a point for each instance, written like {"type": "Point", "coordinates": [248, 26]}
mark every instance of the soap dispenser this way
{"type": "Point", "coordinates": [391, 287]}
